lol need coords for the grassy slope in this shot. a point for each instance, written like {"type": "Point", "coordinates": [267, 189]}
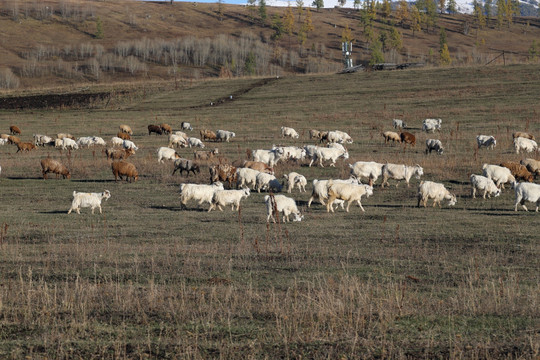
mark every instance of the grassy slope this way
{"type": "Point", "coordinates": [395, 281]}
{"type": "Point", "coordinates": [129, 20]}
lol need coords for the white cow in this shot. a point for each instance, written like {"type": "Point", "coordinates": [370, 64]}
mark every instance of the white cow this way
{"type": "Point", "coordinates": [328, 154]}
{"type": "Point", "coordinates": [265, 181]}
{"type": "Point", "coordinates": [177, 140]}
{"type": "Point", "coordinates": [91, 200]}
{"type": "Point", "coordinates": [195, 142]}
{"type": "Point", "coordinates": [186, 126]}
{"type": "Point", "coordinates": [524, 144]}
{"type": "Point", "coordinates": [487, 141]}
{"type": "Point", "coordinates": [68, 143]}
{"type": "Point", "coordinates": [339, 137]}
{"type": "Point", "coordinates": [527, 192]}
{"type": "Point", "coordinates": [128, 144]}
{"type": "Point", "coordinates": [434, 145]}
{"type": "Point", "coordinates": [400, 172]}
{"type": "Point", "coordinates": [199, 192]}
{"type": "Point", "coordinates": [228, 197]}
{"type": "Point", "coordinates": [167, 154]}
{"type": "Point", "coordinates": [289, 132]}
{"type": "Point", "coordinates": [281, 204]}
{"type": "Point", "coordinates": [366, 169]}
{"type": "Point", "coordinates": [224, 135]}
{"type": "Point", "coordinates": [246, 177]}
{"type": "Point", "coordinates": [399, 124]}
{"type": "Point", "coordinates": [269, 157]}
{"type": "Point", "coordinates": [320, 189]}
{"type": "Point", "coordinates": [294, 178]}
{"type": "Point", "coordinates": [116, 141]}
{"type": "Point", "coordinates": [499, 174]}
{"type": "Point", "coordinates": [430, 125]}
{"type": "Point", "coordinates": [483, 183]}
{"type": "Point", "coordinates": [348, 193]}
{"type": "Point", "coordinates": [436, 191]}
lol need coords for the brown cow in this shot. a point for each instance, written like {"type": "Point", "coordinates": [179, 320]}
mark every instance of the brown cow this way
{"type": "Point", "coordinates": [14, 130]}
{"type": "Point", "coordinates": [123, 136]}
{"type": "Point", "coordinates": [208, 135]}
{"type": "Point", "coordinates": [518, 171]}
{"type": "Point", "coordinates": [407, 138]}
{"type": "Point", "coordinates": [155, 129]}
{"type": "Point", "coordinates": [223, 172]}
{"type": "Point", "coordinates": [25, 146]}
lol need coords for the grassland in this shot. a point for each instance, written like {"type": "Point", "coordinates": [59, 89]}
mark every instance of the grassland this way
{"type": "Point", "coordinates": [147, 279]}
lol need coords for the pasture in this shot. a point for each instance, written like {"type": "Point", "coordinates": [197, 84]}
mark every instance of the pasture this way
{"type": "Point", "coordinates": [147, 279]}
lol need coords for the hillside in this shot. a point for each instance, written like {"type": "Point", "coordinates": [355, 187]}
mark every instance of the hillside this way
{"type": "Point", "coordinates": [56, 43]}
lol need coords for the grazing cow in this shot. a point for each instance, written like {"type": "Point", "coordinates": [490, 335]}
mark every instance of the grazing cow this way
{"type": "Point", "coordinates": [487, 141]}
{"type": "Point", "coordinates": [281, 204]}
{"type": "Point", "coordinates": [400, 172]}
{"type": "Point", "coordinates": [527, 192]}
{"type": "Point", "coordinates": [14, 130]}
{"type": "Point", "coordinates": [166, 128]}
{"type": "Point", "coordinates": [186, 165]}
{"type": "Point", "coordinates": [366, 169]}
{"type": "Point", "coordinates": [407, 138]}
{"type": "Point", "coordinates": [167, 154]}
{"type": "Point", "coordinates": [524, 144]}
{"type": "Point", "coordinates": [91, 200]}
{"type": "Point", "coordinates": [532, 165]}
{"type": "Point", "coordinates": [499, 174]}
{"type": "Point", "coordinates": [434, 145]}
{"type": "Point", "coordinates": [430, 125]}
{"type": "Point", "coordinates": [483, 183]}
{"type": "Point", "coordinates": [399, 124]}
{"type": "Point", "coordinates": [223, 172]}
{"type": "Point", "coordinates": [186, 126]}
{"type": "Point", "coordinates": [391, 136]}
{"type": "Point", "coordinates": [436, 191]}
{"type": "Point", "coordinates": [289, 132]}
{"type": "Point", "coordinates": [348, 193]}
{"type": "Point", "coordinates": [519, 171]}
{"type": "Point", "coordinates": [155, 129]}
{"type": "Point", "coordinates": [208, 135]}
{"type": "Point", "coordinates": [523, 135]}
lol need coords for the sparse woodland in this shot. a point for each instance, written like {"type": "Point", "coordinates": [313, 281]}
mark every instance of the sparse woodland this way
{"type": "Point", "coordinates": [69, 42]}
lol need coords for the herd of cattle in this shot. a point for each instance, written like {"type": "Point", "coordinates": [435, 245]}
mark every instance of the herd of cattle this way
{"type": "Point", "coordinates": [257, 173]}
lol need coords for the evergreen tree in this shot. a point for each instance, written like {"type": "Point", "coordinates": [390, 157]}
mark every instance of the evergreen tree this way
{"type": "Point", "coordinates": [262, 11]}
{"type": "Point", "coordinates": [442, 37]}
{"type": "Point", "coordinates": [99, 29]}
{"type": "Point", "coordinates": [318, 4]}
{"type": "Point", "coordinates": [534, 51]}
{"type": "Point", "coordinates": [487, 9]}
{"type": "Point", "coordinates": [452, 7]}
{"type": "Point", "coordinates": [357, 4]}
{"type": "Point", "coordinates": [396, 41]}
{"type": "Point", "coordinates": [251, 8]}
{"type": "Point", "coordinates": [278, 27]}
{"type": "Point", "coordinates": [377, 56]}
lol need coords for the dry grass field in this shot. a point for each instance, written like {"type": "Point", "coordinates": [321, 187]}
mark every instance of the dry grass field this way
{"type": "Point", "coordinates": [148, 280]}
